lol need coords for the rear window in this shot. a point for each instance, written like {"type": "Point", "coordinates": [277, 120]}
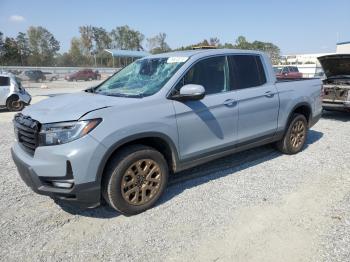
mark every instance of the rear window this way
{"type": "Point", "coordinates": [4, 81]}
{"type": "Point", "coordinates": [246, 71]}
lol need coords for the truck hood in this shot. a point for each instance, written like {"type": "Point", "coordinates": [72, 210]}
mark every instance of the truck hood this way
{"type": "Point", "coordinates": [335, 65]}
{"type": "Point", "coordinates": [72, 106]}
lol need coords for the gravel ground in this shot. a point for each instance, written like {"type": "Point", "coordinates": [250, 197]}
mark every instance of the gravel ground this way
{"type": "Point", "coordinates": [257, 205]}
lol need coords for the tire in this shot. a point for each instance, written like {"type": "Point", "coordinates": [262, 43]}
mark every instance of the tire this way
{"type": "Point", "coordinates": [295, 137]}
{"type": "Point", "coordinates": [129, 185]}
{"type": "Point", "coordinates": [90, 79]}
{"type": "Point", "coordinates": [14, 105]}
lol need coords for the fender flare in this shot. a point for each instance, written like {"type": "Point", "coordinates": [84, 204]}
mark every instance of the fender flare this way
{"type": "Point", "coordinates": [294, 108]}
{"type": "Point", "coordinates": [120, 143]}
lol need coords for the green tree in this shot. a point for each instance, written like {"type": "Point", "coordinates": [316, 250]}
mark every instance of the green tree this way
{"type": "Point", "coordinates": [76, 52]}
{"type": "Point", "coordinates": [1, 44]}
{"type": "Point", "coordinates": [157, 44]}
{"type": "Point", "coordinates": [23, 47]}
{"type": "Point", "coordinates": [101, 38]}
{"type": "Point", "coordinates": [10, 53]}
{"type": "Point", "coordinates": [64, 59]}
{"type": "Point", "coordinates": [87, 38]}
{"type": "Point", "coordinates": [272, 50]}
{"type": "Point", "coordinates": [214, 41]}
{"type": "Point", "coordinates": [43, 46]}
{"type": "Point", "coordinates": [124, 37]}
{"type": "Point", "coordinates": [242, 43]}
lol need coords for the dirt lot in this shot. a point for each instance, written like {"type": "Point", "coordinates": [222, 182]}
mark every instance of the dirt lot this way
{"type": "Point", "coordinates": [257, 205]}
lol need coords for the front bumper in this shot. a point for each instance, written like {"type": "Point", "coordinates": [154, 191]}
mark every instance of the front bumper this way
{"type": "Point", "coordinates": [76, 162]}
{"type": "Point", "coordinates": [83, 195]}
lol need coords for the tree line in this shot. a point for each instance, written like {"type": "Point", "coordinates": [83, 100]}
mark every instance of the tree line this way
{"type": "Point", "coordinates": [39, 47]}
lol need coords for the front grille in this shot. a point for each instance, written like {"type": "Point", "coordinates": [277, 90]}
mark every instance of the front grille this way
{"type": "Point", "coordinates": [27, 132]}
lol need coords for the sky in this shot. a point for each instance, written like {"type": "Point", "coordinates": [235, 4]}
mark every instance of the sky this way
{"type": "Point", "coordinates": [296, 26]}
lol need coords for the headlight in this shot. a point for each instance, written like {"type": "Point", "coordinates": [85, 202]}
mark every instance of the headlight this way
{"type": "Point", "coordinates": [64, 132]}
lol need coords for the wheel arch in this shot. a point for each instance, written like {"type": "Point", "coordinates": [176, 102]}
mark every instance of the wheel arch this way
{"type": "Point", "coordinates": [303, 108]}
{"type": "Point", "coordinates": [158, 141]}
{"type": "Point", "coordinates": [13, 96]}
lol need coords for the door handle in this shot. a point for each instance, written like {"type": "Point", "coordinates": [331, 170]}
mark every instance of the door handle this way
{"type": "Point", "coordinates": [269, 94]}
{"type": "Point", "coordinates": [230, 102]}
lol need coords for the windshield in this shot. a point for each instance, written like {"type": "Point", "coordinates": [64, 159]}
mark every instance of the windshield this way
{"type": "Point", "coordinates": [142, 78]}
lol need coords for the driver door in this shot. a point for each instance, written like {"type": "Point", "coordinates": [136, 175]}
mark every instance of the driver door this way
{"type": "Point", "coordinates": [208, 124]}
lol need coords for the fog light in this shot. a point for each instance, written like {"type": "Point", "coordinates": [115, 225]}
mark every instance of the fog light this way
{"type": "Point", "coordinates": [62, 184]}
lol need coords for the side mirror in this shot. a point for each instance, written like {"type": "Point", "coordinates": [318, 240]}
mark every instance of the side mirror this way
{"type": "Point", "coordinates": [190, 92]}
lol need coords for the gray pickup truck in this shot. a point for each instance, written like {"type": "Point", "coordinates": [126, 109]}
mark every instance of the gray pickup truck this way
{"type": "Point", "coordinates": [121, 140]}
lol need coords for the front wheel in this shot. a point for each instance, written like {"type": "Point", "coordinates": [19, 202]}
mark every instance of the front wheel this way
{"type": "Point", "coordinates": [135, 179]}
{"type": "Point", "coordinates": [294, 139]}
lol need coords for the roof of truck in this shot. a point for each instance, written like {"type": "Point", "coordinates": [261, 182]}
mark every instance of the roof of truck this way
{"type": "Point", "coordinates": [189, 53]}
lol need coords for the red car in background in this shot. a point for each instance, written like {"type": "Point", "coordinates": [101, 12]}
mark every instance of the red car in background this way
{"type": "Point", "coordinates": [287, 72]}
{"type": "Point", "coordinates": [85, 74]}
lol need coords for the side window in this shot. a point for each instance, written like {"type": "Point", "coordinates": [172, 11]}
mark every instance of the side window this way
{"type": "Point", "coordinates": [285, 70]}
{"type": "Point", "coordinates": [246, 71]}
{"type": "Point", "coordinates": [4, 81]}
{"type": "Point", "coordinates": [210, 73]}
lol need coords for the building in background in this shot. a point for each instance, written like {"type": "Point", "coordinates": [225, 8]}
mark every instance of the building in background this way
{"type": "Point", "coordinates": [343, 47]}
{"type": "Point", "coordinates": [308, 64]}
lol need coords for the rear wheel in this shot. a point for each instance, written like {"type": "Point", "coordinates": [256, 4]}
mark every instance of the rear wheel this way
{"type": "Point", "coordinates": [13, 104]}
{"type": "Point", "coordinates": [294, 139]}
{"type": "Point", "coordinates": [135, 179]}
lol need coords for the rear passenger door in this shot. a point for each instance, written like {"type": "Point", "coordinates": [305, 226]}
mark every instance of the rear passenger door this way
{"type": "Point", "coordinates": [257, 98]}
{"type": "Point", "coordinates": [208, 124]}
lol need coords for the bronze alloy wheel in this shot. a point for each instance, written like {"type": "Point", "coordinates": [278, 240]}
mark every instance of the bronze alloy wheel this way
{"type": "Point", "coordinates": [141, 182]}
{"type": "Point", "coordinates": [298, 134]}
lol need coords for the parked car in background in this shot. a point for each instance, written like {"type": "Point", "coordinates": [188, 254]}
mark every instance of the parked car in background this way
{"type": "Point", "coordinates": [159, 115]}
{"type": "Point", "coordinates": [287, 72]}
{"type": "Point", "coordinates": [32, 75]}
{"type": "Point", "coordinates": [13, 96]}
{"type": "Point", "coordinates": [51, 76]}
{"type": "Point", "coordinates": [337, 83]}
{"type": "Point", "coordinates": [85, 74]}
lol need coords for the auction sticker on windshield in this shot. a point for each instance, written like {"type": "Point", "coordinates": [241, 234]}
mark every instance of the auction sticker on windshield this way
{"type": "Point", "coordinates": [176, 59]}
